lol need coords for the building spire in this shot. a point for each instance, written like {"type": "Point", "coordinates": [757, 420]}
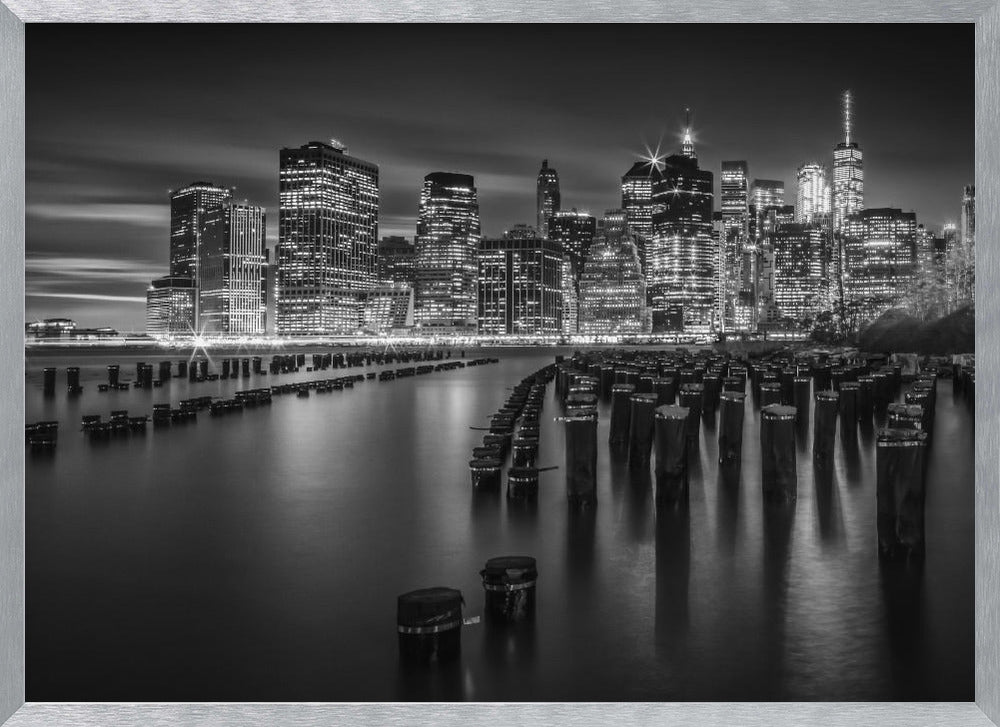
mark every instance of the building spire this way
{"type": "Point", "coordinates": [847, 116]}
{"type": "Point", "coordinates": [687, 148]}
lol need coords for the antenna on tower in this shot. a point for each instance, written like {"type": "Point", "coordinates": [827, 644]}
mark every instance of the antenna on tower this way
{"type": "Point", "coordinates": [687, 147]}
{"type": "Point", "coordinates": [847, 117]}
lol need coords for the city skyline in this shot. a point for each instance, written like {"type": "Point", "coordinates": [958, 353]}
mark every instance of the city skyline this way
{"type": "Point", "coordinates": [99, 172]}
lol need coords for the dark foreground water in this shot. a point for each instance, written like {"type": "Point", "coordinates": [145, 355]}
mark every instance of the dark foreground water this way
{"type": "Point", "coordinates": [258, 556]}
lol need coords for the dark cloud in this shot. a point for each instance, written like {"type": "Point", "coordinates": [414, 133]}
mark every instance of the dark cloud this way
{"type": "Point", "coordinates": [119, 115]}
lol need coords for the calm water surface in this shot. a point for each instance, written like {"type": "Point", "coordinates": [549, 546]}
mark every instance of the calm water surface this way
{"type": "Point", "coordinates": [258, 556]}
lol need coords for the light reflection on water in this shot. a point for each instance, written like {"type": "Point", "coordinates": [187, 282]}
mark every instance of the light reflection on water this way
{"type": "Point", "coordinates": [258, 556]}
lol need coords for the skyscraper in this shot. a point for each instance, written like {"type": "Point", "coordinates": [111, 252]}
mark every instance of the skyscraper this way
{"type": "Point", "coordinates": [813, 201]}
{"type": "Point", "coordinates": [613, 224]}
{"type": "Point", "coordinates": [736, 298]}
{"type": "Point", "coordinates": [231, 293]}
{"type": "Point", "coordinates": [396, 260]}
{"type": "Point", "coordinates": [800, 270]}
{"type": "Point", "coordinates": [767, 193]}
{"type": "Point", "coordinates": [637, 201]}
{"type": "Point", "coordinates": [879, 260]}
{"type": "Point", "coordinates": [570, 299]}
{"type": "Point", "coordinates": [188, 207]}
{"type": "Point", "coordinates": [448, 235]}
{"type": "Point", "coordinates": [327, 239]}
{"type": "Point", "coordinates": [848, 172]}
{"type": "Point", "coordinates": [926, 249]}
{"type": "Point", "coordinates": [547, 196]}
{"type": "Point", "coordinates": [612, 289]}
{"type": "Point", "coordinates": [574, 231]}
{"type": "Point", "coordinates": [687, 146]}
{"type": "Point", "coordinates": [681, 260]}
{"type": "Point", "coordinates": [969, 215]}
{"type": "Point", "coordinates": [520, 285]}
{"type": "Point", "coordinates": [170, 306]}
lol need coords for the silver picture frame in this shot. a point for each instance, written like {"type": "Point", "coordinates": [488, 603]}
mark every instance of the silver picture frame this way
{"type": "Point", "coordinates": [986, 708]}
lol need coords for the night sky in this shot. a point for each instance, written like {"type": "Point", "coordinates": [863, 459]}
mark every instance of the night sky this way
{"type": "Point", "coordinates": [119, 115]}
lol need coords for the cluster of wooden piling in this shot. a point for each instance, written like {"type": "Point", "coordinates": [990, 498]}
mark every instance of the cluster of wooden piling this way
{"type": "Point", "coordinates": [429, 621]}
{"type": "Point", "coordinates": [196, 370]}
{"type": "Point", "coordinates": [119, 423]}
{"type": "Point", "coordinates": [901, 453]}
{"type": "Point", "coordinates": [661, 401]}
{"type": "Point", "coordinates": [514, 430]}
{"type": "Point", "coordinates": [42, 435]}
{"type": "Point", "coordinates": [658, 401]}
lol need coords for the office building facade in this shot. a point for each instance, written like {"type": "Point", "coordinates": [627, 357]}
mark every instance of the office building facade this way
{"type": "Point", "coordinates": [170, 306]}
{"type": "Point", "coordinates": [232, 276]}
{"type": "Point", "coordinates": [397, 259]}
{"type": "Point", "coordinates": [879, 257]}
{"type": "Point", "coordinates": [520, 286]}
{"type": "Point", "coordinates": [448, 234]}
{"type": "Point", "coordinates": [812, 204]}
{"type": "Point", "coordinates": [682, 258]}
{"type": "Point", "coordinates": [327, 239]}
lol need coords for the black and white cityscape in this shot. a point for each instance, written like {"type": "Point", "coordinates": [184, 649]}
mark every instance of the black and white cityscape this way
{"type": "Point", "coordinates": [488, 363]}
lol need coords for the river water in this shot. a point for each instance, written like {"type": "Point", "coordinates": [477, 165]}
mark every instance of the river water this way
{"type": "Point", "coordinates": [257, 556]}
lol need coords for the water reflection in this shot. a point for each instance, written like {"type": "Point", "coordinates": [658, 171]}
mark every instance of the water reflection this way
{"type": "Point", "coordinates": [902, 587]}
{"type": "Point", "coordinates": [852, 458]}
{"type": "Point", "coordinates": [433, 682]}
{"type": "Point", "coordinates": [638, 500]}
{"type": "Point", "coordinates": [673, 577]}
{"type": "Point", "coordinates": [727, 506]}
{"type": "Point", "coordinates": [778, 521]}
{"type": "Point", "coordinates": [314, 513]}
{"type": "Point", "coordinates": [829, 517]}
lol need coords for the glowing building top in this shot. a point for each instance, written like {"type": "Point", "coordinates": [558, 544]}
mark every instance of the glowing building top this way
{"type": "Point", "coordinates": [848, 171]}
{"type": "Point", "coordinates": [687, 147]}
{"type": "Point", "coordinates": [813, 202]}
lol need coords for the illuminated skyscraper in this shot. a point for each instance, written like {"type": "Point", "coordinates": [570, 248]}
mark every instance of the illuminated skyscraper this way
{"type": "Point", "coordinates": [614, 223]}
{"type": "Point", "coordinates": [637, 201]}
{"type": "Point", "coordinates": [813, 201]}
{"type": "Point", "coordinates": [769, 220]}
{"type": "Point", "coordinates": [926, 249]}
{"type": "Point", "coordinates": [571, 299]}
{"type": "Point", "coordinates": [170, 306]}
{"type": "Point", "coordinates": [687, 146]}
{"type": "Point", "coordinates": [520, 285]}
{"type": "Point", "coordinates": [969, 215]}
{"type": "Point", "coordinates": [767, 193]}
{"type": "Point", "coordinates": [682, 259]}
{"type": "Point", "coordinates": [188, 207]}
{"type": "Point", "coordinates": [547, 196]}
{"type": "Point", "coordinates": [396, 260]}
{"type": "Point", "coordinates": [231, 293]}
{"type": "Point", "coordinates": [736, 295]}
{"type": "Point", "coordinates": [448, 235]}
{"type": "Point", "coordinates": [879, 254]}
{"type": "Point", "coordinates": [327, 239]}
{"type": "Point", "coordinates": [848, 172]}
{"type": "Point", "coordinates": [574, 231]}
{"type": "Point", "coordinates": [612, 289]}
{"type": "Point", "coordinates": [800, 272]}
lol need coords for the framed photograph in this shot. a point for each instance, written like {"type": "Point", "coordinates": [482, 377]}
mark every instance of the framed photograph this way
{"type": "Point", "coordinates": [616, 365]}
